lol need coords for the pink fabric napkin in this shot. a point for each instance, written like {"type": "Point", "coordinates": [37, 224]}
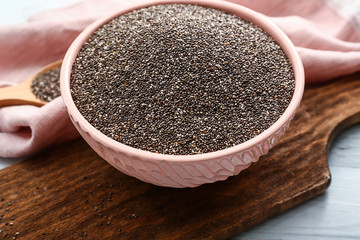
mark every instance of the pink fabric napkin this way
{"type": "Point", "coordinates": [325, 32]}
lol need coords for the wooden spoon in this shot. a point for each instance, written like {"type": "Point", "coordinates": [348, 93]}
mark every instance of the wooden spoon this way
{"type": "Point", "coordinates": [22, 94]}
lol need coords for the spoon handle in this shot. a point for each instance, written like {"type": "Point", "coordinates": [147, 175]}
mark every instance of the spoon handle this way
{"type": "Point", "coordinates": [18, 95]}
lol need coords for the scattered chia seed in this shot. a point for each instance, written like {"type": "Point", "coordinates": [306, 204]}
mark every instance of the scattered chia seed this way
{"type": "Point", "coordinates": [181, 79]}
{"type": "Point", "coordinates": [46, 86]}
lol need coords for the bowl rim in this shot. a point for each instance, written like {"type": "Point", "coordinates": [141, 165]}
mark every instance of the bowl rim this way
{"type": "Point", "coordinates": [232, 8]}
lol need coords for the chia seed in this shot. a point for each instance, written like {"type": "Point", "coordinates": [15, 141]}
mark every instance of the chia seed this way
{"type": "Point", "coordinates": [181, 79]}
{"type": "Point", "coordinates": [46, 86]}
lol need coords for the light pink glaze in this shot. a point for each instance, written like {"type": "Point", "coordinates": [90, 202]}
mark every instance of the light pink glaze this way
{"type": "Point", "coordinates": [184, 170]}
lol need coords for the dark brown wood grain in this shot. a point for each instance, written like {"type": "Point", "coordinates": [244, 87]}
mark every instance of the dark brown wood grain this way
{"type": "Point", "coordinates": [68, 192]}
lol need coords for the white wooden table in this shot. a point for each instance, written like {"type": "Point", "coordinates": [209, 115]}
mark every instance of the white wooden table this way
{"type": "Point", "coordinates": [333, 215]}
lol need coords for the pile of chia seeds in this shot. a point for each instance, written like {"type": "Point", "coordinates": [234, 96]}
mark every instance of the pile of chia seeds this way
{"type": "Point", "coordinates": [46, 86]}
{"type": "Point", "coordinates": [181, 79]}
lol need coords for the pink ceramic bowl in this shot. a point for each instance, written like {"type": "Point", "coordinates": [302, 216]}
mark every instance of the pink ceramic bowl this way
{"type": "Point", "coordinates": [184, 170]}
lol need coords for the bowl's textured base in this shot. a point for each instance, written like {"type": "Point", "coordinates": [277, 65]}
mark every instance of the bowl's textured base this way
{"type": "Point", "coordinates": [182, 173]}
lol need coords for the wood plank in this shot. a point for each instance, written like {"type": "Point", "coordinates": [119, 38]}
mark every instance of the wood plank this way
{"type": "Point", "coordinates": [333, 215]}
{"type": "Point", "coordinates": [68, 192]}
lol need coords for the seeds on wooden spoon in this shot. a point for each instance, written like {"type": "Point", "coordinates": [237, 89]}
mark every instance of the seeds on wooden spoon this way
{"type": "Point", "coordinates": [46, 86]}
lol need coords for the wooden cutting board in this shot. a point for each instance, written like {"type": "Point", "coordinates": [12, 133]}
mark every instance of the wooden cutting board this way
{"type": "Point", "coordinates": [68, 192]}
